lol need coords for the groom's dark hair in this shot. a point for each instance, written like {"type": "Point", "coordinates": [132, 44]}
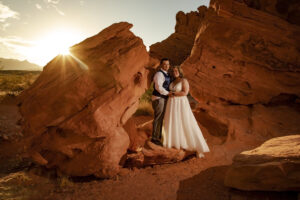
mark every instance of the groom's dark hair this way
{"type": "Point", "coordinates": [164, 59]}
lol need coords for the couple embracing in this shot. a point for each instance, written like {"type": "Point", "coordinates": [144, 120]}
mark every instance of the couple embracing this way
{"type": "Point", "coordinates": [172, 112]}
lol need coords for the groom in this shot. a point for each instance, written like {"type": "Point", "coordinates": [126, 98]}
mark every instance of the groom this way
{"type": "Point", "coordinates": [160, 95]}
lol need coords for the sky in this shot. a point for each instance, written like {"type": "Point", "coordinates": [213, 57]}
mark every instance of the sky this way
{"type": "Point", "coordinates": [38, 30]}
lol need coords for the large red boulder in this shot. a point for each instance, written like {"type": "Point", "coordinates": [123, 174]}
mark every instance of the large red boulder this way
{"type": "Point", "coordinates": [73, 114]}
{"type": "Point", "coordinates": [244, 71]}
{"type": "Point", "coordinates": [273, 166]}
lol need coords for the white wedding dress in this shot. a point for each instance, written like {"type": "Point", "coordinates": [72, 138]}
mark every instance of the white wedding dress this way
{"type": "Point", "coordinates": [181, 129]}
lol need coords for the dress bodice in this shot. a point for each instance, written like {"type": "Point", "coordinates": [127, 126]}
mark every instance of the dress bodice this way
{"type": "Point", "coordinates": [177, 87]}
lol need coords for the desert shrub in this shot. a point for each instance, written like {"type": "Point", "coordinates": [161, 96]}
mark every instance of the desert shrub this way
{"type": "Point", "coordinates": [145, 104]}
{"type": "Point", "coordinates": [144, 109]}
{"type": "Point", "coordinates": [64, 181]}
{"type": "Point", "coordinates": [16, 81]}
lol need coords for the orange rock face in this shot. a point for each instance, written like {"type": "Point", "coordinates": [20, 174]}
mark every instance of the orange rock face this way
{"type": "Point", "coordinates": [75, 111]}
{"type": "Point", "coordinates": [177, 47]}
{"type": "Point", "coordinates": [274, 166]}
{"type": "Point", "coordinates": [244, 71]}
{"type": "Point", "coordinates": [152, 154]}
{"type": "Point", "coordinates": [288, 10]}
{"type": "Point", "coordinates": [139, 130]}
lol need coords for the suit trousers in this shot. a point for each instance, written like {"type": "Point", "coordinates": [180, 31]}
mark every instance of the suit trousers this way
{"type": "Point", "coordinates": [159, 107]}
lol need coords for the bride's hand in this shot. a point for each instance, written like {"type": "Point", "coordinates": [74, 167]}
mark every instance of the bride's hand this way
{"type": "Point", "coordinates": [170, 94]}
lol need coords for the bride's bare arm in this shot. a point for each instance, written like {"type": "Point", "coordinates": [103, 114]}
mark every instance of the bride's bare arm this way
{"type": "Point", "coordinates": [185, 89]}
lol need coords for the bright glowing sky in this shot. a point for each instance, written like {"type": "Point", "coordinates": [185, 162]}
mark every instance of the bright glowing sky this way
{"type": "Point", "coordinates": [38, 30]}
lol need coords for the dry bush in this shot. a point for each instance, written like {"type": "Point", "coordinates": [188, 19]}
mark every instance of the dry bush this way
{"type": "Point", "coordinates": [14, 82]}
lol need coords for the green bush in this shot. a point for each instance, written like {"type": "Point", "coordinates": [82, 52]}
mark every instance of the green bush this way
{"type": "Point", "coordinates": [145, 104]}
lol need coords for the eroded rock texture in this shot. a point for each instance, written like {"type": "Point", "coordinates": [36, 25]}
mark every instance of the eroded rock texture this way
{"type": "Point", "coordinates": [244, 70]}
{"type": "Point", "coordinates": [273, 166]}
{"type": "Point", "coordinates": [75, 110]}
{"type": "Point", "coordinates": [177, 47]}
{"type": "Point", "coordinates": [288, 10]}
{"type": "Point", "coordinates": [152, 154]}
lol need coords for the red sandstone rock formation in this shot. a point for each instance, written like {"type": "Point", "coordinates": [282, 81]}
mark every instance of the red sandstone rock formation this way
{"type": "Point", "coordinates": [177, 47]}
{"type": "Point", "coordinates": [139, 130]}
{"type": "Point", "coordinates": [75, 110]}
{"type": "Point", "coordinates": [244, 71]}
{"type": "Point", "coordinates": [288, 10]}
{"type": "Point", "coordinates": [152, 154]}
{"type": "Point", "coordinates": [144, 153]}
{"type": "Point", "coordinates": [273, 166]}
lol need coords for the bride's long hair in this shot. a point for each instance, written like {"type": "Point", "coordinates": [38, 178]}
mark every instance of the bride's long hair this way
{"type": "Point", "coordinates": [179, 70]}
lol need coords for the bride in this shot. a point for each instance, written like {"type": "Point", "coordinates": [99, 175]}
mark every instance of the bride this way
{"type": "Point", "coordinates": [180, 126]}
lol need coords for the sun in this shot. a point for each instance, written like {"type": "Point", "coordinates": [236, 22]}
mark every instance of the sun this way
{"type": "Point", "coordinates": [52, 44]}
{"type": "Point", "coordinates": [57, 42]}
{"type": "Point", "coordinates": [64, 51]}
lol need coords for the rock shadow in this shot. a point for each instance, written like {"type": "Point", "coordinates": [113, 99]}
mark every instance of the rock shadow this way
{"type": "Point", "coordinates": [209, 185]}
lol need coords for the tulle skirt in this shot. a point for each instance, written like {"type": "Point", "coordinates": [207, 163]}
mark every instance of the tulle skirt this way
{"type": "Point", "coordinates": [181, 129]}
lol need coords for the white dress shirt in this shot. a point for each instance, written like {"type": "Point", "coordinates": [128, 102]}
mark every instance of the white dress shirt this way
{"type": "Point", "coordinates": [158, 80]}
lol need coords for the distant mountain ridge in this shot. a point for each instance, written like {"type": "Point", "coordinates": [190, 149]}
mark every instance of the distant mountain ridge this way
{"type": "Point", "coordinates": [13, 64]}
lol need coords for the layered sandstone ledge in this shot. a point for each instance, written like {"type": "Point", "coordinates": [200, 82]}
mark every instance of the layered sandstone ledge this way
{"type": "Point", "coordinates": [273, 166]}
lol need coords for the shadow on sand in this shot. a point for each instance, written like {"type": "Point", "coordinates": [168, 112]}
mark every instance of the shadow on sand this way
{"type": "Point", "coordinates": [208, 185]}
